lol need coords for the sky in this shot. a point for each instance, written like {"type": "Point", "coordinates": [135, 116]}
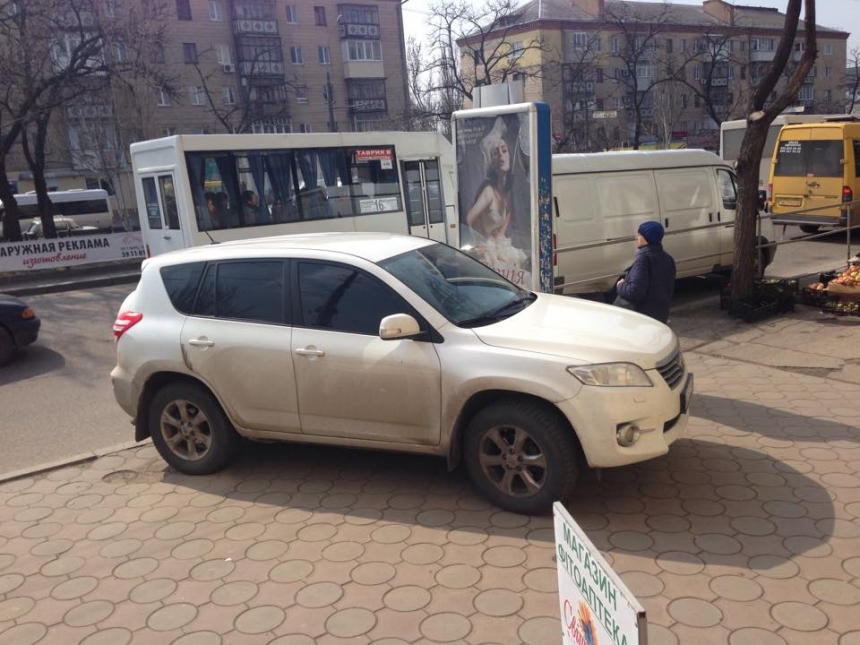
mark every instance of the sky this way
{"type": "Point", "coordinates": [837, 14]}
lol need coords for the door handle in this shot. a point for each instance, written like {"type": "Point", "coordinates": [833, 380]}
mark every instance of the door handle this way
{"type": "Point", "coordinates": [813, 184]}
{"type": "Point", "coordinates": [710, 217]}
{"type": "Point", "coordinates": [719, 219]}
{"type": "Point", "coordinates": [201, 342]}
{"type": "Point", "coordinates": [307, 351]}
{"type": "Point", "coordinates": [167, 237]}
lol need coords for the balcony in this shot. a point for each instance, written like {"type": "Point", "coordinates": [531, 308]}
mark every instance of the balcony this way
{"type": "Point", "coordinates": [359, 30]}
{"type": "Point", "coordinates": [719, 81]}
{"type": "Point", "coordinates": [762, 56]}
{"type": "Point", "coordinates": [363, 69]}
{"type": "Point", "coordinates": [262, 68]}
{"type": "Point", "coordinates": [261, 27]}
{"type": "Point", "coordinates": [89, 111]}
{"type": "Point", "coordinates": [364, 106]}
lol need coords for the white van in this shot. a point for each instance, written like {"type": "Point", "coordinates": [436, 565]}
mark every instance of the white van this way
{"type": "Point", "coordinates": [88, 207]}
{"type": "Point", "coordinates": [601, 199]}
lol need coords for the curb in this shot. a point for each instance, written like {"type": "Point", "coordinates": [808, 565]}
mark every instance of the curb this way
{"type": "Point", "coordinates": [70, 285]}
{"type": "Point", "coordinates": [70, 461]}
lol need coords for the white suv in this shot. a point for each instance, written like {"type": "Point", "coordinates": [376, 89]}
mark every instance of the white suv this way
{"type": "Point", "coordinates": [397, 343]}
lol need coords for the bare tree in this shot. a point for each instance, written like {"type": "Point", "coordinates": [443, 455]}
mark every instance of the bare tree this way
{"type": "Point", "coordinates": [852, 80]}
{"type": "Point", "coordinates": [761, 111]}
{"type": "Point", "coordinates": [55, 54]}
{"type": "Point", "coordinates": [637, 48]}
{"type": "Point", "coordinates": [667, 107]}
{"type": "Point", "coordinates": [425, 100]}
{"type": "Point", "coordinates": [476, 45]}
{"type": "Point", "coordinates": [579, 74]}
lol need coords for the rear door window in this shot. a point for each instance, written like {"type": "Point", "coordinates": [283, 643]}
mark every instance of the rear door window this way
{"type": "Point", "coordinates": [856, 158]}
{"type": "Point", "coordinates": [809, 158]}
{"type": "Point", "coordinates": [252, 290]}
{"type": "Point", "coordinates": [181, 281]}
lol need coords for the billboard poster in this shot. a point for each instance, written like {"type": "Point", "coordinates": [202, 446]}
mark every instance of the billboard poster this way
{"type": "Point", "coordinates": [595, 605]}
{"type": "Point", "coordinates": [70, 251]}
{"type": "Point", "coordinates": [502, 172]}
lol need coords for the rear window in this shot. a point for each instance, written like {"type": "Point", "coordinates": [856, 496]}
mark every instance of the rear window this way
{"type": "Point", "coordinates": [808, 159]}
{"type": "Point", "coordinates": [181, 282]}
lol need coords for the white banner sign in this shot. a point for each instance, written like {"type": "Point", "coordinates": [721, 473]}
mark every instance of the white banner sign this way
{"type": "Point", "coordinates": [70, 251]}
{"type": "Point", "coordinates": [595, 605]}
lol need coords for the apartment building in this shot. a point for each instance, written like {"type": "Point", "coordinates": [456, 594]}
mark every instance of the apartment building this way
{"type": "Point", "coordinates": [601, 63]}
{"type": "Point", "coordinates": [262, 66]}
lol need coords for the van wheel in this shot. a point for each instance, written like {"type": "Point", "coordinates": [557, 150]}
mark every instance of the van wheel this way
{"type": "Point", "coordinates": [809, 228]}
{"type": "Point", "coordinates": [521, 455]}
{"type": "Point", "coordinates": [190, 430]}
{"type": "Point", "coordinates": [7, 346]}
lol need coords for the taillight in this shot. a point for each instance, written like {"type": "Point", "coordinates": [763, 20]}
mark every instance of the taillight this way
{"type": "Point", "coordinates": [28, 313]}
{"type": "Point", "coordinates": [148, 254]}
{"type": "Point", "coordinates": [847, 194]}
{"type": "Point", "coordinates": [125, 321]}
{"type": "Point", "coordinates": [554, 252]}
{"type": "Point", "coordinates": [770, 189]}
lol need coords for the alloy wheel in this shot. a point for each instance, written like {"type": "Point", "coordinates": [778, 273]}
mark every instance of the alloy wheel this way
{"type": "Point", "coordinates": [186, 430]}
{"type": "Point", "coordinates": [512, 461]}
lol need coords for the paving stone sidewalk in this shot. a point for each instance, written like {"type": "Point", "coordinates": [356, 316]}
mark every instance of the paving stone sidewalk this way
{"type": "Point", "coordinates": [746, 533]}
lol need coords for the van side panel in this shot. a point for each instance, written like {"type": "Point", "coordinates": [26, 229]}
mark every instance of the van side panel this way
{"type": "Point", "coordinates": [687, 200]}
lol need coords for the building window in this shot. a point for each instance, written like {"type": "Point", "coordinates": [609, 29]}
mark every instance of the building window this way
{"type": "Point", "coordinates": [189, 52]}
{"type": "Point", "coordinates": [183, 9]}
{"type": "Point", "coordinates": [828, 50]}
{"type": "Point", "coordinates": [296, 56]}
{"type": "Point", "coordinates": [761, 45]}
{"type": "Point", "coordinates": [598, 75]}
{"type": "Point", "coordinates": [224, 57]}
{"type": "Point", "coordinates": [643, 69]}
{"type": "Point", "coordinates": [363, 50]}
{"type": "Point", "coordinates": [668, 45]}
{"type": "Point", "coordinates": [122, 53]}
{"type": "Point", "coordinates": [229, 95]}
{"type": "Point", "coordinates": [828, 71]}
{"type": "Point", "coordinates": [369, 122]}
{"type": "Point", "coordinates": [198, 96]}
{"type": "Point", "coordinates": [292, 14]}
{"type": "Point", "coordinates": [276, 125]}
{"type": "Point", "coordinates": [157, 53]}
{"type": "Point", "coordinates": [516, 50]}
{"type": "Point", "coordinates": [743, 45]}
{"type": "Point", "coordinates": [163, 98]}
{"type": "Point", "coordinates": [307, 128]}
{"type": "Point", "coordinates": [743, 72]}
{"type": "Point", "coordinates": [110, 8]}
{"type": "Point", "coordinates": [215, 11]}
{"type": "Point", "coordinates": [319, 16]}
{"type": "Point", "coordinates": [807, 93]}
{"type": "Point", "coordinates": [828, 96]}
{"type": "Point", "coordinates": [360, 14]}
{"type": "Point", "coordinates": [324, 54]}
{"type": "Point", "coordinates": [613, 45]}
{"type": "Point", "coordinates": [579, 40]}
{"type": "Point", "coordinates": [697, 73]}
{"type": "Point", "coordinates": [684, 101]}
{"type": "Point", "coordinates": [302, 94]}
{"type": "Point", "coordinates": [697, 101]}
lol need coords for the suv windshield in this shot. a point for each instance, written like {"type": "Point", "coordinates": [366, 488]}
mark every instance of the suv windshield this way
{"type": "Point", "coordinates": [466, 292]}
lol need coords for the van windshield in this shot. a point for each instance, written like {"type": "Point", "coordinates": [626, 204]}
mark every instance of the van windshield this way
{"type": "Point", "coordinates": [809, 159]}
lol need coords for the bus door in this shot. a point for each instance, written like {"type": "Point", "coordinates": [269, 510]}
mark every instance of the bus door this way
{"type": "Point", "coordinates": [162, 230]}
{"type": "Point", "coordinates": [425, 205]}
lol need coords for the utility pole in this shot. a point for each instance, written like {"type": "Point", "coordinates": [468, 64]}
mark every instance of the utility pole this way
{"type": "Point", "coordinates": [329, 89]}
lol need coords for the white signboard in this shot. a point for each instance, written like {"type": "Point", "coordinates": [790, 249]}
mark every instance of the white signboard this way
{"type": "Point", "coordinates": [596, 607]}
{"type": "Point", "coordinates": [70, 251]}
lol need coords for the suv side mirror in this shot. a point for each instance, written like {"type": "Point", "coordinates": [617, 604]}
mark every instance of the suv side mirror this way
{"type": "Point", "coordinates": [397, 326]}
{"type": "Point", "coordinates": [762, 199]}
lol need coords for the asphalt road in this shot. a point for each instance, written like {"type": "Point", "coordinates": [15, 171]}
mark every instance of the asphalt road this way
{"type": "Point", "coordinates": [55, 397]}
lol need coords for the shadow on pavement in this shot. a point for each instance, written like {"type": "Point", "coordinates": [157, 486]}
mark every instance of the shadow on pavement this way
{"type": "Point", "coordinates": [30, 362]}
{"type": "Point", "coordinates": [705, 502]}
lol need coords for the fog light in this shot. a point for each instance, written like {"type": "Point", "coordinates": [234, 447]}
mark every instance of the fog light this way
{"type": "Point", "coordinates": [627, 434]}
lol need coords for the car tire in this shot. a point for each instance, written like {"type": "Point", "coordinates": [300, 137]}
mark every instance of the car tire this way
{"type": "Point", "coordinates": [810, 228]}
{"type": "Point", "coordinates": [521, 455]}
{"type": "Point", "coordinates": [7, 346]}
{"type": "Point", "coordinates": [190, 430]}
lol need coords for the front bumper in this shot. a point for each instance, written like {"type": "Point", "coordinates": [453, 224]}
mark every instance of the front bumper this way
{"type": "Point", "coordinates": [661, 413]}
{"type": "Point", "coordinates": [26, 332]}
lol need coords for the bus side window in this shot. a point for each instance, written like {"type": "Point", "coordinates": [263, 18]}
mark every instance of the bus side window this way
{"type": "Point", "coordinates": [150, 197]}
{"type": "Point", "coordinates": [856, 158]}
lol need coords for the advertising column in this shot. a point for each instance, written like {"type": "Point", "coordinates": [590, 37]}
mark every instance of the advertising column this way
{"type": "Point", "coordinates": [504, 190]}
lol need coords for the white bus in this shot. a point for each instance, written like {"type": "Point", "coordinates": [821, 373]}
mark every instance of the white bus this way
{"type": "Point", "coordinates": [194, 190]}
{"type": "Point", "coordinates": [732, 136]}
{"type": "Point", "coordinates": [86, 207]}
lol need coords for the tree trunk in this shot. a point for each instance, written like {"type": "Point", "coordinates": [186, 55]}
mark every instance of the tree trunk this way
{"type": "Point", "coordinates": [36, 161]}
{"type": "Point", "coordinates": [746, 219]}
{"type": "Point", "coordinates": [11, 225]}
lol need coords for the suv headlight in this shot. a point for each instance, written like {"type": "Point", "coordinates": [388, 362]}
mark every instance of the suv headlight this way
{"type": "Point", "coordinates": [612, 375]}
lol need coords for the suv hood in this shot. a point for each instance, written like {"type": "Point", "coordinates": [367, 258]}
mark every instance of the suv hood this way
{"type": "Point", "coordinates": [587, 332]}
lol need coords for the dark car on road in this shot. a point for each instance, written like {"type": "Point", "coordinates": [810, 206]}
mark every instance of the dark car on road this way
{"type": "Point", "coordinates": [19, 326]}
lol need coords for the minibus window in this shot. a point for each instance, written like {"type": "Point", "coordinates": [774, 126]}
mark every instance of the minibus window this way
{"type": "Point", "coordinates": [856, 158]}
{"type": "Point", "coordinates": [809, 158]}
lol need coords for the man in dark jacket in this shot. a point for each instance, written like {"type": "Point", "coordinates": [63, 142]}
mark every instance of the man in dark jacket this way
{"type": "Point", "coordinates": [650, 283]}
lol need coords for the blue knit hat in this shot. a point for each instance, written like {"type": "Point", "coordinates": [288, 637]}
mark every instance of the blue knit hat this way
{"type": "Point", "coordinates": [652, 232]}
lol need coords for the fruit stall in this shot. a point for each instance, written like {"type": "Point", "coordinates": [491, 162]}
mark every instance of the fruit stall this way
{"type": "Point", "coordinates": [837, 292]}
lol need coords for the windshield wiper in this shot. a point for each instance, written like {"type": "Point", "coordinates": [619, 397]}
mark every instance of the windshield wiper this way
{"type": "Point", "coordinates": [500, 313]}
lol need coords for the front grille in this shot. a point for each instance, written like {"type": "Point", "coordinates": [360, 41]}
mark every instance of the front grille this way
{"type": "Point", "coordinates": [672, 370]}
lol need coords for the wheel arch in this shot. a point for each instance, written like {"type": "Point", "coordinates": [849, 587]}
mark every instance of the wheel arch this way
{"type": "Point", "coordinates": [480, 400]}
{"type": "Point", "coordinates": [153, 385]}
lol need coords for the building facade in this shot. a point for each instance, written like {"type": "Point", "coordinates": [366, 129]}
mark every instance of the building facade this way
{"type": "Point", "coordinates": [676, 70]}
{"type": "Point", "coordinates": [261, 66]}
